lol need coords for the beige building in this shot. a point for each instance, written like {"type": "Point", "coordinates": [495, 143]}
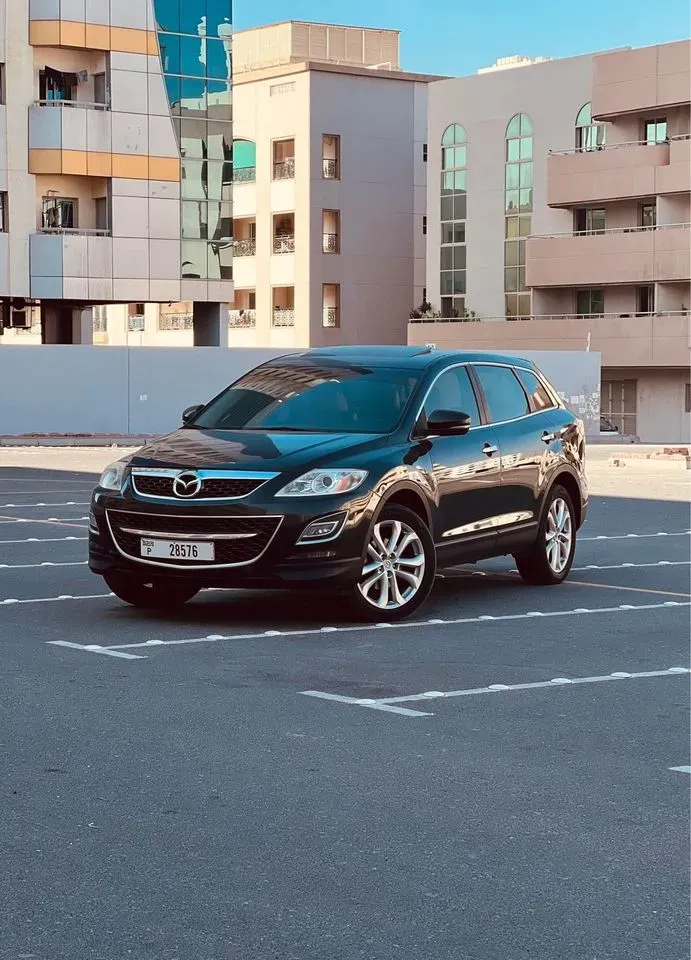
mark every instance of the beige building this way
{"type": "Point", "coordinates": [329, 194]}
{"type": "Point", "coordinates": [559, 218]}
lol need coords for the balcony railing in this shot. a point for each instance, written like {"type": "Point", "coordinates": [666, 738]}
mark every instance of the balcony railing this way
{"type": "Point", "coordinates": [284, 317]}
{"type": "Point", "coordinates": [284, 244]}
{"type": "Point", "coordinates": [330, 317]}
{"type": "Point", "coordinates": [245, 247]}
{"type": "Point", "coordinates": [330, 243]}
{"type": "Point", "coordinates": [136, 323]}
{"type": "Point", "coordinates": [329, 169]}
{"type": "Point", "coordinates": [75, 104]}
{"type": "Point", "coordinates": [100, 324]}
{"type": "Point", "coordinates": [616, 146]}
{"type": "Point", "coordinates": [555, 316]}
{"type": "Point", "coordinates": [284, 169]}
{"type": "Point", "coordinates": [244, 174]}
{"type": "Point", "coordinates": [75, 231]}
{"type": "Point", "coordinates": [175, 321]}
{"type": "Point", "coordinates": [611, 230]}
{"type": "Point", "coordinates": [242, 318]}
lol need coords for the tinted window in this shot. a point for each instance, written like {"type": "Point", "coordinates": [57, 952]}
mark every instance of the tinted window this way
{"type": "Point", "coordinates": [453, 391]}
{"type": "Point", "coordinates": [539, 397]}
{"type": "Point", "coordinates": [312, 398]}
{"type": "Point", "coordinates": [504, 395]}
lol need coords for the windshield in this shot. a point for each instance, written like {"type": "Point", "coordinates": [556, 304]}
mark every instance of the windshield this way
{"type": "Point", "coordinates": [312, 398]}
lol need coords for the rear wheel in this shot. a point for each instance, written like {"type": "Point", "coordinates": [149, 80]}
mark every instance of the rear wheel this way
{"type": "Point", "coordinates": [149, 594]}
{"type": "Point", "coordinates": [551, 557]}
{"type": "Point", "coordinates": [398, 570]}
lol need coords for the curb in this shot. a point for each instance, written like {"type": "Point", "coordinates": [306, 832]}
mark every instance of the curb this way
{"type": "Point", "coordinates": [76, 440]}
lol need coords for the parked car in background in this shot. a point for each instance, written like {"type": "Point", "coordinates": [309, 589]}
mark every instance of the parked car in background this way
{"type": "Point", "coordinates": [357, 470]}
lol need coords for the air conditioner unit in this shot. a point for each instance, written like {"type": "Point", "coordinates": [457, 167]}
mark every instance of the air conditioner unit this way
{"type": "Point", "coordinates": [83, 76]}
{"type": "Point", "coordinates": [20, 319]}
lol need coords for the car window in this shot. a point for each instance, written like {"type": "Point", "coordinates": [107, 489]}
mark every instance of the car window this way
{"type": "Point", "coordinates": [453, 391]}
{"type": "Point", "coordinates": [541, 400]}
{"type": "Point", "coordinates": [504, 395]}
{"type": "Point", "coordinates": [312, 397]}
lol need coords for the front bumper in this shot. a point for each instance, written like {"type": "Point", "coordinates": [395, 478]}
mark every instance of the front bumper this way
{"type": "Point", "coordinates": [282, 562]}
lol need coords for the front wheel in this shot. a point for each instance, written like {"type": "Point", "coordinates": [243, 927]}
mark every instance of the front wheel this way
{"type": "Point", "coordinates": [550, 559]}
{"type": "Point", "coordinates": [149, 594]}
{"type": "Point", "coordinates": [398, 570]}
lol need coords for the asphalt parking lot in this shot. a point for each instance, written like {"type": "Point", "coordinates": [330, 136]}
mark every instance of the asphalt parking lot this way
{"type": "Point", "coordinates": [252, 777]}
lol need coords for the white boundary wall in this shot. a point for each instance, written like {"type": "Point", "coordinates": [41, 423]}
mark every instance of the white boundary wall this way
{"type": "Point", "coordinates": [142, 390]}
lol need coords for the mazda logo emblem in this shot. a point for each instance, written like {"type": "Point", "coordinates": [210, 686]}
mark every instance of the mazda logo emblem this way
{"type": "Point", "coordinates": [187, 485]}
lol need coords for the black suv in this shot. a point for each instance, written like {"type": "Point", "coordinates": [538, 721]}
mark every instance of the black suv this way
{"type": "Point", "coordinates": [360, 470]}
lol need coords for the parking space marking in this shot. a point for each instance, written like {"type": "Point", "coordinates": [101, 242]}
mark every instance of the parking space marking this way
{"type": "Point", "coordinates": [681, 769]}
{"type": "Point", "coordinates": [46, 563]}
{"type": "Point", "coordinates": [95, 648]}
{"type": "Point", "coordinates": [66, 596]}
{"type": "Point", "coordinates": [367, 628]}
{"type": "Point", "coordinates": [631, 566]}
{"type": "Point", "coordinates": [635, 536]}
{"type": "Point", "coordinates": [57, 521]}
{"type": "Point", "coordinates": [384, 702]}
{"type": "Point", "coordinates": [27, 506]}
{"type": "Point", "coordinates": [614, 586]}
{"type": "Point", "coordinates": [44, 540]}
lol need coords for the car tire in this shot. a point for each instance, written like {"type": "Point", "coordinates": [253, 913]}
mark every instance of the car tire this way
{"type": "Point", "coordinates": [412, 557]}
{"type": "Point", "coordinates": [149, 594]}
{"type": "Point", "coordinates": [550, 559]}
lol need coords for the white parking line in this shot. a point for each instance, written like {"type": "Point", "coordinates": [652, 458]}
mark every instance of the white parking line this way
{"type": "Point", "coordinates": [95, 648]}
{"type": "Point", "coordinates": [44, 540]}
{"type": "Point", "coordinates": [66, 596]}
{"type": "Point", "coordinates": [372, 704]}
{"type": "Point", "coordinates": [23, 506]}
{"type": "Point", "coordinates": [636, 536]}
{"type": "Point", "coordinates": [681, 769]}
{"type": "Point", "coordinates": [46, 563]}
{"type": "Point", "coordinates": [382, 703]}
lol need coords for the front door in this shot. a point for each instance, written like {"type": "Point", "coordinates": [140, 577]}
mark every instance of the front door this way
{"type": "Point", "coordinates": [466, 472]}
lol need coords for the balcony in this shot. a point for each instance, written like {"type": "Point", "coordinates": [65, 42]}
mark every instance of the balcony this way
{"type": "Point", "coordinates": [617, 172]}
{"type": "Point", "coordinates": [330, 169]}
{"type": "Point", "coordinates": [644, 79]}
{"type": "Point", "coordinates": [284, 244]}
{"type": "Point", "coordinates": [242, 318]}
{"type": "Point", "coordinates": [629, 255]}
{"type": "Point", "coordinates": [284, 169]}
{"type": "Point", "coordinates": [70, 137]}
{"type": "Point", "coordinates": [245, 247]}
{"type": "Point", "coordinates": [284, 317]}
{"type": "Point", "coordinates": [330, 243]}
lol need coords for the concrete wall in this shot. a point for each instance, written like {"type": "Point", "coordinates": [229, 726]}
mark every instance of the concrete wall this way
{"type": "Point", "coordinates": [143, 390]}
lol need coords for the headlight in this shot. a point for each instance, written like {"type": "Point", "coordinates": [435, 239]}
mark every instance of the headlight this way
{"type": "Point", "coordinates": [112, 476]}
{"type": "Point", "coordinates": [324, 483]}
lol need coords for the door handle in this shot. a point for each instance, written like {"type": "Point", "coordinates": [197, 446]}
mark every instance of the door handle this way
{"type": "Point", "coordinates": [489, 449]}
{"type": "Point", "coordinates": [548, 437]}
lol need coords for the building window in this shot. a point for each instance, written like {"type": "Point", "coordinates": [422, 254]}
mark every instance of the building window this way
{"type": "Point", "coordinates": [424, 226]}
{"type": "Point", "coordinates": [100, 89]}
{"type": "Point", "coordinates": [590, 302]}
{"type": "Point", "coordinates": [518, 204]}
{"type": "Point", "coordinates": [4, 212]}
{"type": "Point", "coordinates": [277, 89]}
{"type": "Point", "coordinates": [136, 320]}
{"type": "Point", "coordinates": [454, 214]}
{"type": "Point", "coordinates": [424, 153]}
{"type": "Point", "coordinates": [284, 233]}
{"type": "Point", "coordinates": [58, 213]}
{"type": "Point", "coordinates": [55, 85]}
{"type": "Point", "coordinates": [101, 207]}
{"type": "Point", "coordinates": [687, 398]}
{"type": "Point", "coordinates": [283, 303]}
{"type": "Point", "coordinates": [176, 316]}
{"type": "Point", "coordinates": [618, 404]}
{"type": "Point", "coordinates": [647, 215]}
{"type": "Point", "coordinates": [645, 299]}
{"type": "Point", "coordinates": [283, 159]}
{"type": "Point", "coordinates": [2, 82]}
{"type": "Point", "coordinates": [655, 131]}
{"type": "Point", "coordinates": [331, 156]}
{"type": "Point", "coordinates": [331, 305]}
{"type": "Point", "coordinates": [589, 135]}
{"type": "Point", "coordinates": [589, 220]}
{"type": "Point", "coordinates": [244, 161]}
{"type": "Point", "coordinates": [100, 319]}
{"type": "Point", "coordinates": [331, 230]}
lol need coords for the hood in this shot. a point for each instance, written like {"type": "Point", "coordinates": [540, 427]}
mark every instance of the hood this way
{"type": "Point", "coordinates": [249, 450]}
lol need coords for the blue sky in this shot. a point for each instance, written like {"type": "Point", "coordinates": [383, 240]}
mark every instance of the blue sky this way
{"type": "Point", "coordinates": [454, 38]}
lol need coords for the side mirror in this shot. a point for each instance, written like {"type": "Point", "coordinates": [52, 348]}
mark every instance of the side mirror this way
{"type": "Point", "coordinates": [448, 423]}
{"type": "Point", "coordinates": [190, 413]}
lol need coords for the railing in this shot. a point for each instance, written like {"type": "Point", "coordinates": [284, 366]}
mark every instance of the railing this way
{"type": "Point", "coordinates": [284, 169]}
{"type": "Point", "coordinates": [284, 317]}
{"type": "Point", "coordinates": [329, 169]}
{"type": "Point", "coordinates": [330, 243]}
{"type": "Point", "coordinates": [284, 244]}
{"type": "Point", "coordinates": [136, 323]}
{"type": "Point", "coordinates": [244, 174]}
{"type": "Point", "coordinates": [75, 231]}
{"type": "Point", "coordinates": [175, 321]}
{"type": "Point", "coordinates": [100, 324]}
{"type": "Point", "coordinates": [330, 317]}
{"type": "Point", "coordinates": [555, 316]}
{"type": "Point", "coordinates": [611, 230]}
{"type": "Point", "coordinates": [617, 146]}
{"type": "Point", "coordinates": [245, 248]}
{"type": "Point", "coordinates": [73, 104]}
{"type": "Point", "coordinates": [242, 318]}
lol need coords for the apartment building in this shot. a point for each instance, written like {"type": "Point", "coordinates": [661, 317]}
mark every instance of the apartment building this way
{"type": "Point", "coordinates": [329, 194]}
{"type": "Point", "coordinates": [115, 163]}
{"type": "Point", "coordinates": [559, 217]}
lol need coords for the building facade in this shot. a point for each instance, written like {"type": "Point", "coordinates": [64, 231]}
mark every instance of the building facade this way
{"type": "Point", "coordinates": [559, 217]}
{"type": "Point", "coordinates": [115, 162]}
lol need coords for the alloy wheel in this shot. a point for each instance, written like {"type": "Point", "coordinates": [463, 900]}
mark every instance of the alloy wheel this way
{"type": "Point", "coordinates": [558, 535]}
{"type": "Point", "coordinates": [394, 566]}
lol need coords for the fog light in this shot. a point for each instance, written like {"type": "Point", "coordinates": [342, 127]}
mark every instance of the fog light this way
{"type": "Point", "coordinates": [93, 524]}
{"type": "Point", "coordinates": [327, 528]}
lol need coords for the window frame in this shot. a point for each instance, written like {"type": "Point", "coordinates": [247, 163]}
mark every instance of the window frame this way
{"type": "Point", "coordinates": [335, 160]}
{"type": "Point", "coordinates": [485, 402]}
{"type": "Point", "coordinates": [4, 211]}
{"type": "Point", "coordinates": [520, 371]}
{"type": "Point", "coordinates": [423, 415]}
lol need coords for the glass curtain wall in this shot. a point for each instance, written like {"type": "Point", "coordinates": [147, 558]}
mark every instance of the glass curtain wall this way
{"type": "Point", "coordinates": [518, 193]}
{"type": "Point", "coordinates": [195, 39]}
{"type": "Point", "coordinates": [454, 214]}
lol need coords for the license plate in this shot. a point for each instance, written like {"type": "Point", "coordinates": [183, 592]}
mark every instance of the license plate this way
{"type": "Point", "coordinates": [178, 550]}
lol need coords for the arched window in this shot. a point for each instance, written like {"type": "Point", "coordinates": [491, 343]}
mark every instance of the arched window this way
{"type": "Point", "coordinates": [518, 193]}
{"type": "Point", "coordinates": [244, 161]}
{"type": "Point", "coordinates": [589, 135]}
{"type": "Point", "coordinates": [453, 221]}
